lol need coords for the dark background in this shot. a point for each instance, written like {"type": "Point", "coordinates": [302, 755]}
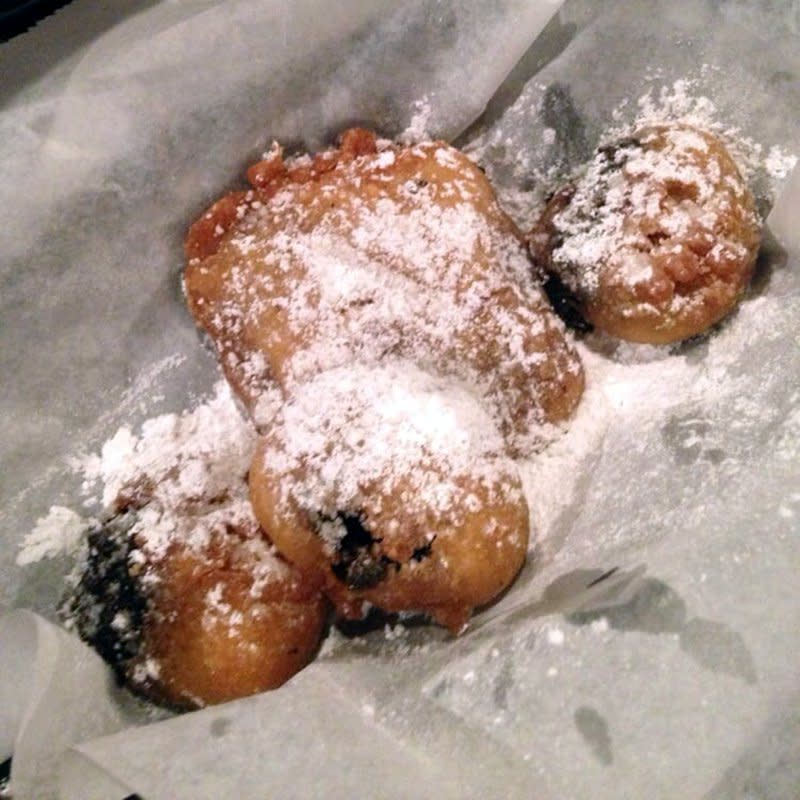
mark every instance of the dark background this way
{"type": "Point", "coordinates": [17, 17]}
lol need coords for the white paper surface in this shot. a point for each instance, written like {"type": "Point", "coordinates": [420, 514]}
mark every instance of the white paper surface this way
{"type": "Point", "coordinates": [54, 692]}
{"type": "Point", "coordinates": [783, 220]}
{"type": "Point", "coordinates": [675, 677]}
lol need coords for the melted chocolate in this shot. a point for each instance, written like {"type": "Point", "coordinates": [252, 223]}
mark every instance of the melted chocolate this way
{"type": "Point", "coordinates": [108, 604]}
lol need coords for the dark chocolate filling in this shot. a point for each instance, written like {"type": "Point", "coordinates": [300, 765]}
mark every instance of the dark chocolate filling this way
{"type": "Point", "coordinates": [357, 563]}
{"type": "Point", "coordinates": [566, 304]}
{"type": "Point", "coordinates": [108, 604]}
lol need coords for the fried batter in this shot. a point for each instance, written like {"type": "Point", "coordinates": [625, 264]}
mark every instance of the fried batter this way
{"type": "Point", "coordinates": [201, 624]}
{"type": "Point", "coordinates": [224, 622]}
{"type": "Point", "coordinates": [181, 591]}
{"type": "Point", "coordinates": [387, 486]}
{"type": "Point", "coordinates": [390, 299]}
{"type": "Point", "coordinates": [371, 251]}
{"type": "Point", "coordinates": [658, 238]}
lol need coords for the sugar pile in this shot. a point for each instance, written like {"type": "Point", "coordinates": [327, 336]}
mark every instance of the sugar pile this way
{"type": "Point", "coordinates": [58, 533]}
{"type": "Point", "coordinates": [394, 429]}
{"type": "Point", "coordinates": [184, 476]}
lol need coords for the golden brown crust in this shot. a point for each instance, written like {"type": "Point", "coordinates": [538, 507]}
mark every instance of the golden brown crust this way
{"type": "Point", "coordinates": [181, 591]}
{"type": "Point", "coordinates": [658, 239]}
{"type": "Point", "coordinates": [367, 259]}
{"type": "Point", "coordinates": [215, 631]}
{"type": "Point", "coordinates": [502, 334]}
{"type": "Point", "coordinates": [412, 558]}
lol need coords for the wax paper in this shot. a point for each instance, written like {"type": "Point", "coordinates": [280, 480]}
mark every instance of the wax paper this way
{"type": "Point", "coordinates": [54, 691]}
{"type": "Point", "coordinates": [650, 647]}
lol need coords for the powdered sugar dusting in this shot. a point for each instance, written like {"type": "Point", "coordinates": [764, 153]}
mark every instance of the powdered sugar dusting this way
{"type": "Point", "coordinates": [354, 432]}
{"type": "Point", "coordinates": [59, 533]}
{"type": "Point", "coordinates": [680, 102]}
{"type": "Point", "coordinates": [177, 492]}
{"type": "Point", "coordinates": [648, 207]}
{"type": "Point", "coordinates": [418, 129]}
{"type": "Point", "coordinates": [184, 476]}
{"type": "Point", "coordinates": [524, 178]}
{"type": "Point", "coordinates": [552, 480]}
{"type": "Point", "coordinates": [425, 269]}
{"type": "Point", "coordinates": [779, 163]}
{"type": "Point", "coordinates": [178, 459]}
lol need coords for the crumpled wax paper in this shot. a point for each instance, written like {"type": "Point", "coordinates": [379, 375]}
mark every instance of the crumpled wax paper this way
{"type": "Point", "coordinates": [650, 650]}
{"type": "Point", "coordinates": [54, 691]}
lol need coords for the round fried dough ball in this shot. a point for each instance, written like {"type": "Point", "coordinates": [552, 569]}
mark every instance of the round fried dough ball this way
{"type": "Point", "coordinates": [224, 623]}
{"type": "Point", "coordinates": [200, 624]}
{"type": "Point", "coordinates": [388, 486]}
{"type": "Point", "coordinates": [658, 238]}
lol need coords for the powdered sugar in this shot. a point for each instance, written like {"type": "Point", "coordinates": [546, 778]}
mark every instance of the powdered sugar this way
{"type": "Point", "coordinates": [363, 268]}
{"type": "Point", "coordinates": [524, 176]}
{"type": "Point", "coordinates": [356, 431]}
{"type": "Point", "coordinates": [552, 479]}
{"type": "Point", "coordinates": [680, 101]}
{"type": "Point", "coordinates": [185, 473]}
{"type": "Point", "coordinates": [418, 127]}
{"type": "Point", "coordinates": [778, 163]}
{"type": "Point", "coordinates": [184, 477]}
{"type": "Point", "coordinates": [178, 460]}
{"type": "Point", "coordinates": [59, 533]}
{"type": "Point", "coordinates": [648, 205]}
{"type": "Point", "coordinates": [175, 489]}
